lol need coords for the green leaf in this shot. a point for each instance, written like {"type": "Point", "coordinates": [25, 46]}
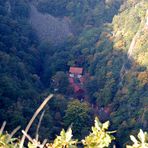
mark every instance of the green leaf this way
{"type": "Point", "coordinates": [99, 137]}
{"type": "Point", "coordinates": [98, 124]}
{"type": "Point", "coordinates": [141, 136]}
{"type": "Point", "coordinates": [133, 139]}
{"type": "Point", "coordinates": [30, 145]}
{"type": "Point", "coordinates": [105, 125]}
{"type": "Point", "coordinates": [68, 134]}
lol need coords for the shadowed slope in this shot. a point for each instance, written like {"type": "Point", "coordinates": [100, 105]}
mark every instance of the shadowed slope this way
{"type": "Point", "coordinates": [48, 27]}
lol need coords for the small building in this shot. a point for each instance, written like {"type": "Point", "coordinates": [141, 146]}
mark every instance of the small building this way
{"type": "Point", "coordinates": [76, 80]}
{"type": "Point", "coordinates": [76, 71]}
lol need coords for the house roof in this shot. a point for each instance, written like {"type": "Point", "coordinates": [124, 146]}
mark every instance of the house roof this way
{"type": "Point", "coordinates": [76, 70]}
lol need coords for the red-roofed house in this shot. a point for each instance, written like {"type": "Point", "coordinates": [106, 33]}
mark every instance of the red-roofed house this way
{"type": "Point", "coordinates": [76, 80]}
{"type": "Point", "coordinates": [76, 70]}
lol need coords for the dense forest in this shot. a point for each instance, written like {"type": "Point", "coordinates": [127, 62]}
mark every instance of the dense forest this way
{"type": "Point", "coordinates": [41, 39]}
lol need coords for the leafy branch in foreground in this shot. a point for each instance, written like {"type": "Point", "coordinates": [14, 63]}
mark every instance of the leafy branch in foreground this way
{"type": "Point", "coordinates": [64, 140]}
{"type": "Point", "coordinates": [6, 140]}
{"type": "Point", "coordinates": [99, 137]}
{"type": "Point", "coordinates": [141, 142]}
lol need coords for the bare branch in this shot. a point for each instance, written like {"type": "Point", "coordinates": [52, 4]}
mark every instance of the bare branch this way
{"type": "Point", "coordinates": [33, 118]}
{"type": "Point", "coordinates": [2, 127]}
{"type": "Point", "coordinates": [14, 131]}
{"type": "Point", "coordinates": [26, 135]}
{"type": "Point", "coordinates": [39, 124]}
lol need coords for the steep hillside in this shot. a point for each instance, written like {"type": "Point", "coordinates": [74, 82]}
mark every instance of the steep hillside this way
{"type": "Point", "coordinates": [18, 60]}
{"type": "Point", "coordinates": [131, 34]}
{"type": "Point", "coordinates": [50, 29]}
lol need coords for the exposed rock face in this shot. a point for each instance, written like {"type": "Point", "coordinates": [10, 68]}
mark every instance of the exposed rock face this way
{"type": "Point", "coordinates": [49, 28]}
{"type": "Point", "coordinates": [143, 25]}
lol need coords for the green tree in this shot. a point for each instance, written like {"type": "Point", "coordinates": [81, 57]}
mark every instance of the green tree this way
{"type": "Point", "coordinates": [78, 114]}
{"type": "Point", "coordinates": [61, 81]}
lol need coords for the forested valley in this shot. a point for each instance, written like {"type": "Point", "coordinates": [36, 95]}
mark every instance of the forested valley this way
{"type": "Point", "coordinates": [43, 43]}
